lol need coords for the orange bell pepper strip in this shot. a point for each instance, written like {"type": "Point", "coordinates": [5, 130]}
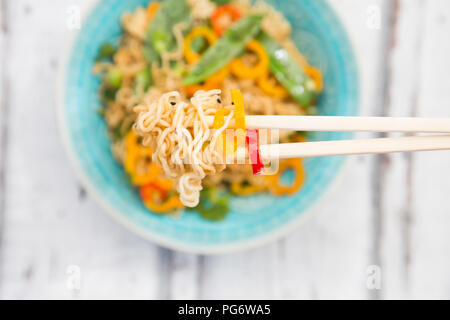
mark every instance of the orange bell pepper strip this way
{"type": "Point", "coordinates": [316, 76]}
{"type": "Point", "coordinates": [273, 90]}
{"type": "Point", "coordinates": [134, 152]}
{"type": "Point", "coordinates": [168, 204]}
{"type": "Point", "coordinates": [190, 55]}
{"type": "Point", "coordinates": [241, 70]}
{"type": "Point", "coordinates": [275, 186]}
{"type": "Point", "coordinates": [152, 9]}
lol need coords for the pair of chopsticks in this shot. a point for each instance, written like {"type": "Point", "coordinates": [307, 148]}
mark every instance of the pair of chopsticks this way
{"type": "Point", "coordinates": [352, 124]}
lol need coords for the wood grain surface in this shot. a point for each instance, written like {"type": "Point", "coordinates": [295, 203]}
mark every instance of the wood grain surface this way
{"type": "Point", "coordinates": [385, 214]}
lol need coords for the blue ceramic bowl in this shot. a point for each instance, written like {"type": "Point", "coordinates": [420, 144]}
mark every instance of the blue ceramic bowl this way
{"type": "Point", "coordinates": [252, 221]}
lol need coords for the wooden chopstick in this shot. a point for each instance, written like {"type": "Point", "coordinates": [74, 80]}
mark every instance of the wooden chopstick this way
{"type": "Point", "coordinates": [353, 147]}
{"type": "Point", "coordinates": [352, 124]}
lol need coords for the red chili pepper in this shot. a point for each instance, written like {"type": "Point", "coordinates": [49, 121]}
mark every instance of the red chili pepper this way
{"type": "Point", "coordinates": [254, 152]}
{"type": "Point", "coordinates": [147, 191]}
{"type": "Point", "coordinates": [219, 13]}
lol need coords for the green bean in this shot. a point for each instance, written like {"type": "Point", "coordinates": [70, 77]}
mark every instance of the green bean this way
{"type": "Point", "coordinates": [214, 205]}
{"type": "Point", "coordinates": [231, 45]}
{"type": "Point", "coordinates": [221, 2]}
{"type": "Point", "coordinates": [159, 38]}
{"type": "Point", "coordinates": [143, 79]}
{"type": "Point", "coordinates": [108, 94]}
{"type": "Point", "coordinates": [286, 70]}
{"type": "Point", "coordinates": [198, 44]}
{"type": "Point", "coordinates": [113, 78]}
{"type": "Point", "coordinates": [107, 51]}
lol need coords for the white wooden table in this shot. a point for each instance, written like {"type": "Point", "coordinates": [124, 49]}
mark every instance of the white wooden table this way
{"type": "Point", "coordinates": [387, 218]}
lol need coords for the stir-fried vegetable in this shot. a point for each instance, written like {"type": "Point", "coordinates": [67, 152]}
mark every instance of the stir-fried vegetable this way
{"type": "Point", "coordinates": [113, 78]}
{"type": "Point", "coordinates": [225, 49]}
{"type": "Point", "coordinates": [221, 2]}
{"type": "Point", "coordinates": [213, 82]}
{"type": "Point", "coordinates": [254, 153]}
{"type": "Point", "coordinates": [301, 87]}
{"type": "Point", "coordinates": [157, 199]}
{"type": "Point", "coordinates": [275, 185]}
{"type": "Point", "coordinates": [159, 37]}
{"type": "Point", "coordinates": [245, 189]}
{"type": "Point", "coordinates": [241, 70]}
{"type": "Point", "coordinates": [239, 109]}
{"type": "Point", "coordinates": [218, 15]}
{"type": "Point", "coordinates": [316, 75]}
{"type": "Point", "coordinates": [107, 51]}
{"type": "Point", "coordinates": [213, 205]}
{"type": "Point", "coordinates": [272, 89]}
{"type": "Point", "coordinates": [143, 80]}
{"type": "Point", "coordinates": [239, 118]}
{"type": "Point", "coordinates": [199, 32]}
{"type": "Point", "coordinates": [151, 10]}
{"type": "Point", "coordinates": [135, 152]}
{"type": "Point", "coordinates": [219, 121]}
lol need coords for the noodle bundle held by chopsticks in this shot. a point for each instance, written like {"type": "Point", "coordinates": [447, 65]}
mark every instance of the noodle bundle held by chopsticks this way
{"type": "Point", "coordinates": [182, 143]}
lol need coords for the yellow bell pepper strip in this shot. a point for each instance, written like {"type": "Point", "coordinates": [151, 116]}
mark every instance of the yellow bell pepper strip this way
{"type": "Point", "coordinates": [168, 204]}
{"type": "Point", "coordinates": [151, 10]}
{"type": "Point", "coordinates": [239, 117]}
{"type": "Point", "coordinates": [239, 188]}
{"type": "Point", "coordinates": [275, 186]}
{"type": "Point", "coordinates": [239, 110]}
{"type": "Point", "coordinates": [190, 55]}
{"type": "Point", "coordinates": [316, 76]}
{"type": "Point", "coordinates": [219, 121]}
{"type": "Point", "coordinates": [218, 15]}
{"type": "Point", "coordinates": [273, 90]}
{"type": "Point", "coordinates": [254, 152]}
{"type": "Point", "coordinates": [241, 70]}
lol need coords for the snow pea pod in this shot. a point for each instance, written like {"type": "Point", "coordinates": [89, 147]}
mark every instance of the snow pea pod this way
{"type": "Point", "coordinates": [221, 2]}
{"type": "Point", "coordinates": [231, 45]}
{"type": "Point", "coordinates": [286, 70]}
{"type": "Point", "coordinates": [159, 38]}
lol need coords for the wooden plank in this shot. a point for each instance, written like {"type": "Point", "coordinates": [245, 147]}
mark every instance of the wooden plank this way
{"type": "Point", "coordinates": [415, 238]}
{"type": "Point", "coordinates": [50, 222]}
{"type": "Point", "coordinates": [4, 107]}
{"type": "Point", "coordinates": [396, 189]}
{"type": "Point", "coordinates": [430, 212]}
{"type": "Point", "coordinates": [328, 256]}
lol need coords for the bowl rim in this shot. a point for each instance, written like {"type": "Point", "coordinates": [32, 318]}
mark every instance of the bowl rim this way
{"type": "Point", "coordinates": [149, 235]}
